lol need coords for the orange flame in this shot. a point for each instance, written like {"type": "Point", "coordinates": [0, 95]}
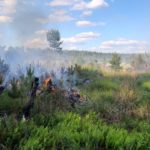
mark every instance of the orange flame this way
{"type": "Point", "coordinates": [46, 81]}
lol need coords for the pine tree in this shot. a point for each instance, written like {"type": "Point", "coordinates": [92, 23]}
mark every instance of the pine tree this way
{"type": "Point", "coordinates": [115, 61]}
{"type": "Point", "coordinates": [54, 39]}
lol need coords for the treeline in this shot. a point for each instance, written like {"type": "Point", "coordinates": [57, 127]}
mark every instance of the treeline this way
{"type": "Point", "coordinates": [20, 55]}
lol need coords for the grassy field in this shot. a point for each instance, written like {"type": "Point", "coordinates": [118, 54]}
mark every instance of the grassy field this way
{"type": "Point", "coordinates": [114, 116]}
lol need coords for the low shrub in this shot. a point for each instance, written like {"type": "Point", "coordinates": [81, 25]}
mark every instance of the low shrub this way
{"type": "Point", "coordinates": [102, 85]}
{"type": "Point", "coordinates": [146, 85]}
{"type": "Point", "coordinates": [69, 131]}
{"type": "Point", "coordinates": [9, 105]}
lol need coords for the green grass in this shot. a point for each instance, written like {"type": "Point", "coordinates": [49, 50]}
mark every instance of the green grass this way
{"type": "Point", "coordinates": [103, 85]}
{"type": "Point", "coordinates": [114, 117]}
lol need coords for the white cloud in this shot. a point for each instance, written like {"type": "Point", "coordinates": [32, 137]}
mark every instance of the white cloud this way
{"type": "Point", "coordinates": [5, 19]}
{"type": "Point", "coordinates": [81, 38]}
{"type": "Point", "coordinates": [122, 42]}
{"type": "Point", "coordinates": [87, 13]}
{"type": "Point", "coordinates": [38, 40]}
{"type": "Point", "coordinates": [41, 32]}
{"type": "Point", "coordinates": [79, 4]}
{"type": "Point", "coordinates": [97, 3]}
{"type": "Point", "coordinates": [55, 3]}
{"type": "Point", "coordinates": [42, 20]}
{"type": "Point", "coordinates": [93, 4]}
{"type": "Point", "coordinates": [124, 46]}
{"type": "Point", "coordinates": [85, 23]}
{"type": "Point", "coordinates": [36, 43]}
{"type": "Point", "coordinates": [10, 2]}
{"type": "Point", "coordinates": [60, 16]}
{"type": "Point", "coordinates": [8, 6]}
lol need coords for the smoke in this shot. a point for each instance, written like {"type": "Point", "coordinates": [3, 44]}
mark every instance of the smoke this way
{"type": "Point", "coordinates": [26, 19]}
{"type": "Point", "coordinates": [43, 61]}
{"type": "Point", "coordinates": [47, 61]}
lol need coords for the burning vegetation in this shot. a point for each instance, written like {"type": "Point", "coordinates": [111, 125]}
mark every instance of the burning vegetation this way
{"type": "Point", "coordinates": [74, 101]}
{"type": "Point", "coordinates": [48, 84]}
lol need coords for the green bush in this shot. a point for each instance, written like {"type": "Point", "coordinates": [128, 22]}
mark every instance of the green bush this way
{"type": "Point", "coordinates": [15, 91]}
{"type": "Point", "coordinates": [9, 105]}
{"type": "Point", "coordinates": [74, 132]}
{"type": "Point", "coordinates": [146, 85]}
{"type": "Point", "coordinates": [69, 131]}
{"type": "Point", "coordinates": [50, 102]}
{"type": "Point", "coordinates": [102, 85]}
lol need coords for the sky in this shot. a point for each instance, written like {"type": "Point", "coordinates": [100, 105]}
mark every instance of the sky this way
{"type": "Point", "coordinates": [121, 26]}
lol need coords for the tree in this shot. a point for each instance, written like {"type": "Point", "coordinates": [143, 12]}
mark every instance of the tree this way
{"type": "Point", "coordinates": [54, 39]}
{"type": "Point", "coordinates": [139, 62]}
{"type": "Point", "coordinates": [4, 68]}
{"type": "Point", "coordinates": [115, 61]}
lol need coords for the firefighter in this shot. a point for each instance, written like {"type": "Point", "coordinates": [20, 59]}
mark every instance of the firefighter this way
{"type": "Point", "coordinates": [34, 87]}
{"type": "Point", "coordinates": [1, 89]}
{"type": "Point", "coordinates": [30, 104]}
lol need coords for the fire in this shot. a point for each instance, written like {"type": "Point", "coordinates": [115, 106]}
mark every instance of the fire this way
{"type": "Point", "coordinates": [46, 81]}
{"type": "Point", "coordinates": [72, 94]}
{"type": "Point", "coordinates": [48, 84]}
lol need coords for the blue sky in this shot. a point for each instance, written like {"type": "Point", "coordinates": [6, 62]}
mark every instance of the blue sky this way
{"type": "Point", "coordinates": [96, 25]}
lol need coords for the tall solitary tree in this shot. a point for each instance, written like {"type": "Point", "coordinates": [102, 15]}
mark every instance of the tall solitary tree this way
{"type": "Point", "coordinates": [115, 61]}
{"type": "Point", "coordinates": [54, 39]}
